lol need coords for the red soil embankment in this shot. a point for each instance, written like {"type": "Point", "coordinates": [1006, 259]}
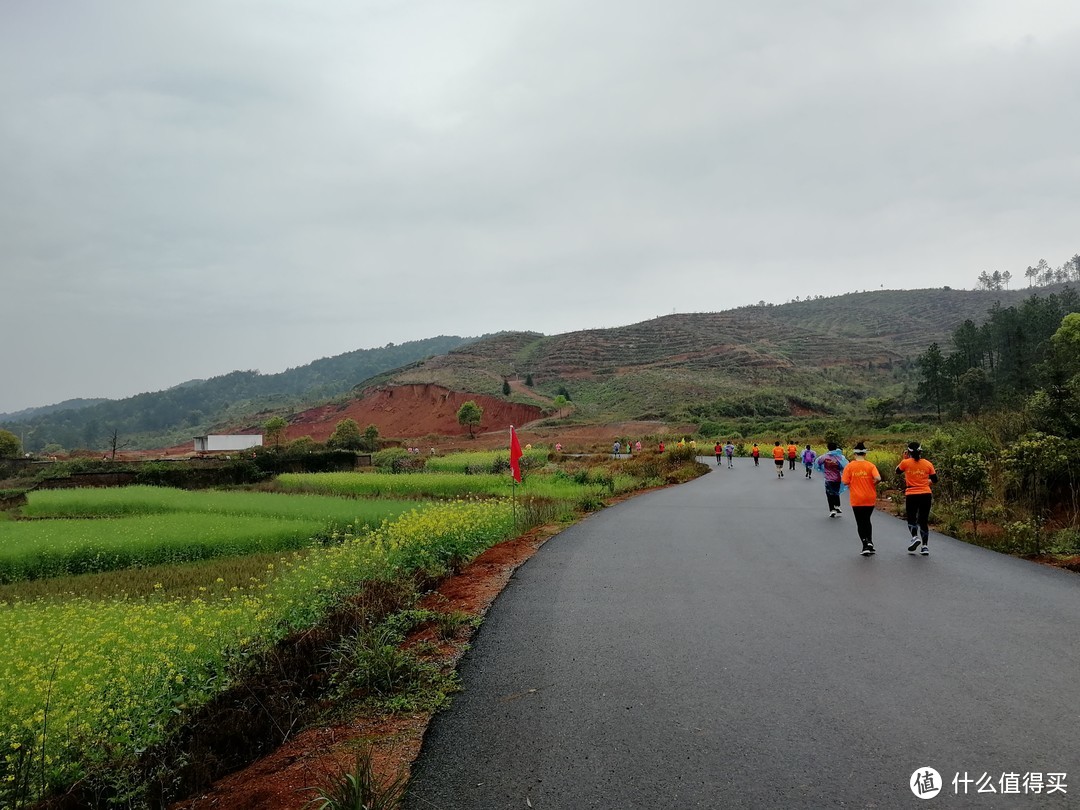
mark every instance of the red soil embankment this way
{"type": "Point", "coordinates": [411, 411]}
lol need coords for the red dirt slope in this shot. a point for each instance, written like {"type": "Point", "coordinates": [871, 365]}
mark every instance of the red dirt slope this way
{"type": "Point", "coordinates": [411, 411]}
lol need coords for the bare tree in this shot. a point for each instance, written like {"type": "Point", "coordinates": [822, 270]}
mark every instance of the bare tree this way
{"type": "Point", "coordinates": [115, 444]}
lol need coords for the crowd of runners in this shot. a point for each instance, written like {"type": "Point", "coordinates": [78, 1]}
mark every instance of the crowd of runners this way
{"type": "Point", "coordinates": [859, 477]}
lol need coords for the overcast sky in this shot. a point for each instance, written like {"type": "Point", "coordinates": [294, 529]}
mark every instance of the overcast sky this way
{"type": "Point", "coordinates": [195, 187]}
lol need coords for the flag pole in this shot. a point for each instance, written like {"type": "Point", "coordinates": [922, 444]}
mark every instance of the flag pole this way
{"type": "Point", "coordinates": [515, 472]}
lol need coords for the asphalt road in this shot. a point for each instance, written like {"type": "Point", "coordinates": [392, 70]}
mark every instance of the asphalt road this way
{"type": "Point", "coordinates": [723, 644]}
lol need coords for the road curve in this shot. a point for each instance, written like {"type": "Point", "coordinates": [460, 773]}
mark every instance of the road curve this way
{"type": "Point", "coordinates": [723, 644]}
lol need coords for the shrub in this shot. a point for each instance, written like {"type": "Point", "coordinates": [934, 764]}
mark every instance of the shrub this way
{"type": "Point", "coordinates": [397, 460]}
{"type": "Point", "coordinates": [1066, 541]}
{"type": "Point", "coordinates": [360, 788]}
{"type": "Point", "coordinates": [1019, 536]}
{"type": "Point", "coordinates": [680, 455]}
{"type": "Point", "coordinates": [709, 428]}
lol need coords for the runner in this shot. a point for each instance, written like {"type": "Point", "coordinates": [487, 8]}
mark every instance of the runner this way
{"type": "Point", "coordinates": [729, 451]}
{"type": "Point", "coordinates": [862, 478]}
{"type": "Point", "coordinates": [778, 457]}
{"type": "Point", "coordinates": [808, 458]}
{"type": "Point", "coordinates": [792, 453]}
{"type": "Point", "coordinates": [719, 451]}
{"type": "Point", "coordinates": [918, 474]}
{"type": "Point", "coordinates": [832, 465]}
{"type": "Point", "coordinates": [615, 448]}
{"type": "Point", "coordinates": [756, 453]}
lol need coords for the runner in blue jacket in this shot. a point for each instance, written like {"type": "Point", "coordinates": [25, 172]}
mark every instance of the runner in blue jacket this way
{"type": "Point", "coordinates": [832, 465]}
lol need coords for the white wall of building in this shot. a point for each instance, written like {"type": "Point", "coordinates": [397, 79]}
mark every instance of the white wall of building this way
{"type": "Point", "coordinates": [222, 441]}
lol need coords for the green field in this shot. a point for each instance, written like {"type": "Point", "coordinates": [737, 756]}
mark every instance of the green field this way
{"type": "Point", "coordinates": [449, 485]}
{"type": "Point", "coordinates": [92, 530]}
{"type": "Point", "coordinates": [143, 500]}
{"type": "Point", "coordinates": [484, 461]}
{"type": "Point", "coordinates": [91, 684]}
{"type": "Point", "coordinates": [128, 612]}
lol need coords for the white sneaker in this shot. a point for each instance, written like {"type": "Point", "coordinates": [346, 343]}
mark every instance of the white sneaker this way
{"type": "Point", "coordinates": [914, 545]}
{"type": "Point", "coordinates": [924, 551]}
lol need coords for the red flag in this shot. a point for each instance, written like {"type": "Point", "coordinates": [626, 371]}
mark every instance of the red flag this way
{"type": "Point", "coordinates": [515, 455]}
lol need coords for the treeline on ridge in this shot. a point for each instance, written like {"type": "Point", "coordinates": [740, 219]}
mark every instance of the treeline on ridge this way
{"type": "Point", "coordinates": [173, 416]}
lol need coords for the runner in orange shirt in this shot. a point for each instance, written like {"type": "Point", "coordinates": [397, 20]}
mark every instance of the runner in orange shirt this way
{"type": "Point", "coordinates": [918, 474]}
{"type": "Point", "coordinates": [862, 478]}
{"type": "Point", "coordinates": [778, 457]}
{"type": "Point", "coordinates": [792, 453]}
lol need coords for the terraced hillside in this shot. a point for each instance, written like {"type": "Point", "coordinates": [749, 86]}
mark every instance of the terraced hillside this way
{"type": "Point", "coordinates": [905, 321]}
{"type": "Point", "coordinates": [825, 355]}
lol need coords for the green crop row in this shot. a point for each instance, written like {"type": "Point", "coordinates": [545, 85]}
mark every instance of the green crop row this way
{"type": "Point", "coordinates": [159, 532]}
{"type": "Point", "coordinates": [446, 485]}
{"type": "Point", "coordinates": [89, 684]}
{"type": "Point", "coordinates": [144, 500]}
{"type": "Point", "coordinates": [50, 548]}
{"type": "Point", "coordinates": [484, 461]}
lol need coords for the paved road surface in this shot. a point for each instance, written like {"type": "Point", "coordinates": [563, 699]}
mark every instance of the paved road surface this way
{"type": "Point", "coordinates": [722, 644]}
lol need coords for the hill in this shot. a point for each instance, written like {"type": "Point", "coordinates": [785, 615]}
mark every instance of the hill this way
{"type": "Point", "coordinates": [169, 417]}
{"type": "Point", "coordinates": [67, 405]}
{"type": "Point", "coordinates": [405, 411]}
{"type": "Point", "coordinates": [819, 356]}
{"type": "Point", "coordinates": [824, 355]}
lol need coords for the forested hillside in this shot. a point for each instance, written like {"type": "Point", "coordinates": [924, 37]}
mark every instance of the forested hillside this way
{"type": "Point", "coordinates": [173, 416]}
{"type": "Point", "coordinates": [824, 355]}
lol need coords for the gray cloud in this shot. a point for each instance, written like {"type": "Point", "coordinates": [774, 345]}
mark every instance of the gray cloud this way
{"type": "Point", "coordinates": [194, 188]}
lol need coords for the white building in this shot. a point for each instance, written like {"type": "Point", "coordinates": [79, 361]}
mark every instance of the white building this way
{"type": "Point", "coordinates": [221, 441]}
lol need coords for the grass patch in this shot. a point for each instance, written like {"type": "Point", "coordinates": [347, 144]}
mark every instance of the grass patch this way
{"type": "Point", "coordinates": [211, 579]}
{"type": "Point", "coordinates": [449, 485]}
{"type": "Point", "coordinates": [123, 677]}
{"type": "Point", "coordinates": [144, 500]}
{"type": "Point", "coordinates": [96, 530]}
{"type": "Point", "coordinates": [487, 461]}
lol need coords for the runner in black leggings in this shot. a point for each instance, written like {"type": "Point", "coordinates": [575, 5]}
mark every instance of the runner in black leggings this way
{"type": "Point", "coordinates": [918, 474]}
